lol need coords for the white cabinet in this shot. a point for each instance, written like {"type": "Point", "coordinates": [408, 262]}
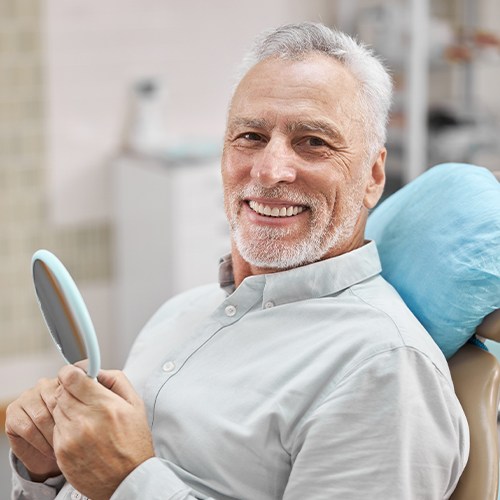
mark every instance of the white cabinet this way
{"type": "Point", "coordinates": [169, 233]}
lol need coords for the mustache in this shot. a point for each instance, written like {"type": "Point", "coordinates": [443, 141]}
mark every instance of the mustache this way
{"type": "Point", "coordinates": [277, 192]}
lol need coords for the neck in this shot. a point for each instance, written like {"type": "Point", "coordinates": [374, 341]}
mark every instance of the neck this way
{"type": "Point", "coordinates": [242, 269]}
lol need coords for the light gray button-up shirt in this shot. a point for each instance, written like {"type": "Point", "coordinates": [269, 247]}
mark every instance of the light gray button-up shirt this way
{"type": "Point", "coordinates": [313, 383]}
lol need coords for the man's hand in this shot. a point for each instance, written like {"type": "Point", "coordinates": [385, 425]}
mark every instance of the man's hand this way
{"type": "Point", "coordinates": [30, 426]}
{"type": "Point", "coordinates": [101, 431]}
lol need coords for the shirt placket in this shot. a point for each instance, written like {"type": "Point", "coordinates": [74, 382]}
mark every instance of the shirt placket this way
{"type": "Point", "coordinates": [230, 311]}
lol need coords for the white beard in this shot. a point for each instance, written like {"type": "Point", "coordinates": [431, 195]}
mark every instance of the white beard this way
{"type": "Point", "coordinates": [266, 247]}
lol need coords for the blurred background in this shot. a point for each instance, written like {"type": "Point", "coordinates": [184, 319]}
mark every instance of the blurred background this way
{"type": "Point", "coordinates": [111, 123]}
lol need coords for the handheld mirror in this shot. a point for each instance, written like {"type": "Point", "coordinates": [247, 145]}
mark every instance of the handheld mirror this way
{"type": "Point", "coordinates": [64, 311]}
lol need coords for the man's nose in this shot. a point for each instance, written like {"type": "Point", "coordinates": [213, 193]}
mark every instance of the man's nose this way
{"type": "Point", "coordinates": [274, 164]}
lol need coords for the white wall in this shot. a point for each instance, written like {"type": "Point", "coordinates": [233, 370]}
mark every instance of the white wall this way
{"type": "Point", "coordinates": [95, 50]}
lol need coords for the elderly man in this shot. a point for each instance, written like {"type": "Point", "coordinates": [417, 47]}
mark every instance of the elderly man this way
{"type": "Point", "coordinates": [303, 375]}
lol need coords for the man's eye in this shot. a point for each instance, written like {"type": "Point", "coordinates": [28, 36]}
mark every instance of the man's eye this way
{"type": "Point", "coordinates": [251, 136]}
{"type": "Point", "coordinates": [315, 142]}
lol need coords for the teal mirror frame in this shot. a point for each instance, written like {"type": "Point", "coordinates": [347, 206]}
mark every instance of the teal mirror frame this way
{"type": "Point", "coordinates": [76, 306]}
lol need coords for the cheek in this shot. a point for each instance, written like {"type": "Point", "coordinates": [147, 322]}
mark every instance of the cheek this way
{"type": "Point", "coordinates": [231, 185]}
{"type": "Point", "coordinates": [232, 170]}
{"type": "Point", "coordinates": [230, 188]}
{"type": "Point", "coordinates": [325, 190]}
{"type": "Point", "coordinates": [227, 175]}
{"type": "Point", "coordinates": [349, 203]}
{"type": "Point", "coordinates": [342, 199]}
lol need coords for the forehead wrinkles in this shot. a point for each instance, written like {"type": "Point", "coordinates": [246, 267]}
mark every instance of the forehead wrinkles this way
{"type": "Point", "coordinates": [328, 87]}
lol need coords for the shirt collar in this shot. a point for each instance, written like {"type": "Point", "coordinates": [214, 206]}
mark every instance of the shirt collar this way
{"type": "Point", "coordinates": [325, 277]}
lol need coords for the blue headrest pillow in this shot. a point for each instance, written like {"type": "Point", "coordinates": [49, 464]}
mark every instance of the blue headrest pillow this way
{"type": "Point", "coordinates": [439, 244]}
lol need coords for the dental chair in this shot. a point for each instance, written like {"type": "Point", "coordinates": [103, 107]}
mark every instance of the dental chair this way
{"type": "Point", "coordinates": [476, 377]}
{"type": "Point", "coordinates": [439, 244]}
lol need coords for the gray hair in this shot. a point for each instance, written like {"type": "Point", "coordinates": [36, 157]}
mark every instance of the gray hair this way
{"type": "Point", "coordinates": [296, 41]}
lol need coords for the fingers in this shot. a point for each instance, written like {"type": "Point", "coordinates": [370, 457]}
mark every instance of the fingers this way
{"type": "Point", "coordinates": [83, 364]}
{"type": "Point", "coordinates": [47, 394]}
{"type": "Point", "coordinates": [83, 388]}
{"type": "Point", "coordinates": [43, 422]}
{"type": "Point", "coordinates": [29, 421]}
{"type": "Point", "coordinates": [24, 433]}
{"type": "Point", "coordinates": [76, 382]}
{"type": "Point", "coordinates": [117, 382]}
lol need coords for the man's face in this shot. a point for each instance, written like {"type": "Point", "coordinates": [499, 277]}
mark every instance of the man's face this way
{"type": "Point", "coordinates": [297, 182]}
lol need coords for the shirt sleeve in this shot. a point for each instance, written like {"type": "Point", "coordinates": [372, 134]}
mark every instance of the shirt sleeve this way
{"type": "Point", "coordinates": [24, 489]}
{"type": "Point", "coordinates": [151, 479]}
{"type": "Point", "coordinates": [392, 429]}
{"type": "Point", "coordinates": [155, 479]}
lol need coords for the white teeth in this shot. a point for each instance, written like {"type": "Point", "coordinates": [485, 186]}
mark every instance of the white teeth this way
{"type": "Point", "coordinates": [275, 211]}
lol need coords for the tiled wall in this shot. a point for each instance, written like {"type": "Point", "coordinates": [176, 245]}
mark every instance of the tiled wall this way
{"type": "Point", "coordinates": [23, 177]}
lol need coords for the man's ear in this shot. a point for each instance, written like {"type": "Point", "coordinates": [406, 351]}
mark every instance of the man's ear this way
{"type": "Point", "coordinates": [376, 180]}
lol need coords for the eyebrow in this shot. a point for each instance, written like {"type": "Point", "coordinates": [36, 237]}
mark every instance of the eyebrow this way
{"type": "Point", "coordinates": [258, 123]}
{"type": "Point", "coordinates": [321, 126]}
{"type": "Point", "coordinates": [314, 126]}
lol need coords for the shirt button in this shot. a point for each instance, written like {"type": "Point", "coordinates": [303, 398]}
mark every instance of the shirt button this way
{"type": "Point", "coordinates": [269, 304]}
{"type": "Point", "coordinates": [230, 310]}
{"type": "Point", "coordinates": [169, 366]}
{"type": "Point", "coordinates": [75, 495]}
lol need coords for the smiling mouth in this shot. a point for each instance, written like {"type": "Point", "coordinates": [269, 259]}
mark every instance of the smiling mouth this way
{"type": "Point", "coordinates": [269, 211]}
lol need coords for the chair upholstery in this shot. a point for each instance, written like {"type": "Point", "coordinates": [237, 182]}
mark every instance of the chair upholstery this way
{"type": "Point", "coordinates": [476, 376]}
{"type": "Point", "coordinates": [490, 327]}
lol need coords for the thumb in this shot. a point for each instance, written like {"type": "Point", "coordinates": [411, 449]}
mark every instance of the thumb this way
{"type": "Point", "coordinates": [116, 381]}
